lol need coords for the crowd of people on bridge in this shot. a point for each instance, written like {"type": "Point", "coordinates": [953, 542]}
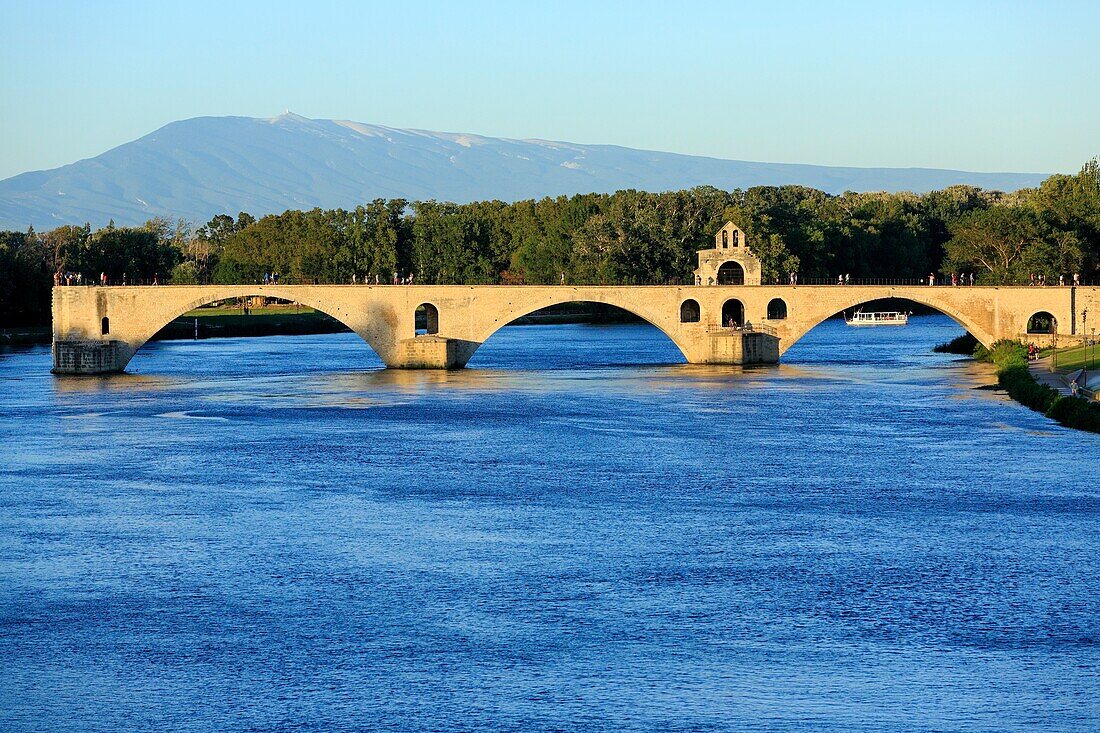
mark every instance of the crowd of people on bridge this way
{"type": "Point", "coordinates": [77, 278]}
{"type": "Point", "coordinates": [1040, 280]}
{"type": "Point", "coordinates": [956, 279]}
{"type": "Point", "coordinates": [376, 279]}
{"type": "Point", "coordinates": [273, 278]}
{"type": "Point", "coordinates": [963, 279]}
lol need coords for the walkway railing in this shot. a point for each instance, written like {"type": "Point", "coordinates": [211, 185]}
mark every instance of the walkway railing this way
{"type": "Point", "coordinates": [939, 281]}
{"type": "Point", "coordinates": [748, 328]}
{"type": "Point", "coordinates": [686, 282]}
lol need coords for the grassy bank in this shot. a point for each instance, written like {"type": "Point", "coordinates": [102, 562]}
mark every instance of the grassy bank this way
{"type": "Point", "coordinates": [1076, 357]}
{"type": "Point", "coordinates": [1014, 376]}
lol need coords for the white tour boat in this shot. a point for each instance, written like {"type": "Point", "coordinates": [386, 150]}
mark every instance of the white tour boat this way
{"type": "Point", "coordinates": [877, 318]}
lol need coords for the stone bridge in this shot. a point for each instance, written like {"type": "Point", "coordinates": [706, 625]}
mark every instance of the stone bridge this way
{"type": "Point", "coordinates": [99, 329]}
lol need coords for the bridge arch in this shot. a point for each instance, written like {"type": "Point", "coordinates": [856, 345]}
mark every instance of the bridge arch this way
{"type": "Point", "coordinates": [169, 310]}
{"type": "Point", "coordinates": [666, 323]}
{"type": "Point", "coordinates": [777, 309]}
{"type": "Point", "coordinates": [806, 319]}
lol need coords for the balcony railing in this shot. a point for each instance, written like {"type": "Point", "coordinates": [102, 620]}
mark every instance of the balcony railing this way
{"type": "Point", "coordinates": [716, 329]}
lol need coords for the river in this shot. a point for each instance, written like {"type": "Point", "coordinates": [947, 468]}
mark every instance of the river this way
{"type": "Point", "coordinates": [577, 532]}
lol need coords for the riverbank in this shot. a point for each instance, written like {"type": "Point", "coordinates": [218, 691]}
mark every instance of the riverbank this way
{"type": "Point", "coordinates": [1015, 377]}
{"type": "Point", "coordinates": [26, 336]}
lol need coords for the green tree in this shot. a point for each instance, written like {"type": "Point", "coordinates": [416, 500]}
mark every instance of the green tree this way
{"type": "Point", "coordinates": [1007, 244]}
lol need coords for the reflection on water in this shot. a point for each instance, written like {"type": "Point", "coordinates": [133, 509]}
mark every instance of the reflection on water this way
{"type": "Point", "coordinates": [578, 532]}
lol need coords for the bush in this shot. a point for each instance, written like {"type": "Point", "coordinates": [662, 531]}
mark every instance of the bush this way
{"type": "Point", "coordinates": [1022, 387]}
{"type": "Point", "coordinates": [1074, 412]}
{"type": "Point", "coordinates": [1004, 354]}
{"type": "Point", "coordinates": [965, 344]}
{"type": "Point", "coordinates": [1014, 377]}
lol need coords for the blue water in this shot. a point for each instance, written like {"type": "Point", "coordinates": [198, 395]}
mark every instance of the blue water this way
{"type": "Point", "coordinates": [578, 532]}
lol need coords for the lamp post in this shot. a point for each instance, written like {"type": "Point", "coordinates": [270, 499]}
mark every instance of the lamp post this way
{"type": "Point", "coordinates": [1093, 343]}
{"type": "Point", "coordinates": [1053, 326]}
{"type": "Point", "coordinates": [1084, 346]}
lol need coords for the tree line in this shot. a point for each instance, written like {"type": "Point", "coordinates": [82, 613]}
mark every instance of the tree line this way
{"type": "Point", "coordinates": [621, 238]}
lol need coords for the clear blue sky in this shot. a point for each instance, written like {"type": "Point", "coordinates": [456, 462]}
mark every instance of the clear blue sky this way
{"type": "Point", "coordinates": [974, 85]}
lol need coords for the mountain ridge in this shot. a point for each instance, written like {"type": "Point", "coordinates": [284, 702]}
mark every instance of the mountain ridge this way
{"type": "Point", "coordinates": [203, 166]}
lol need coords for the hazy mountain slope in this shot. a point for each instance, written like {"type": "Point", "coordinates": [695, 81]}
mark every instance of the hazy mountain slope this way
{"type": "Point", "coordinates": [208, 165]}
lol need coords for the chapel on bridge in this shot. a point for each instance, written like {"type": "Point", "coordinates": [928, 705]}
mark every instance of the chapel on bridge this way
{"type": "Point", "coordinates": [731, 262]}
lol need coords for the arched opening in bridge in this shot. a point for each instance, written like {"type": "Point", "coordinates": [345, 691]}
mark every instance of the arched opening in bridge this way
{"type": "Point", "coordinates": [1042, 323]}
{"type": "Point", "coordinates": [777, 309]}
{"type": "Point", "coordinates": [105, 326]}
{"type": "Point", "coordinates": [733, 312]}
{"type": "Point", "coordinates": [924, 330]}
{"type": "Point", "coordinates": [579, 334]}
{"type": "Point", "coordinates": [251, 315]}
{"type": "Point", "coordinates": [427, 319]}
{"type": "Point", "coordinates": [731, 273]}
{"type": "Point", "coordinates": [689, 310]}
{"type": "Point", "coordinates": [243, 317]}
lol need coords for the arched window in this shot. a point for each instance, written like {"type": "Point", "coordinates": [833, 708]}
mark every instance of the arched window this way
{"type": "Point", "coordinates": [105, 326]}
{"type": "Point", "coordinates": [777, 310]}
{"type": "Point", "coordinates": [733, 310]}
{"type": "Point", "coordinates": [725, 239]}
{"type": "Point", "coordinates": [427, 319]}
{"type": "Point", "coordinates": [689, 311]}
{"type": "Point", "coordinates": [1042, 322]}
{"type": "Point", "coordinates": [736, 239]}
{"type": "Point", "coordinates": [731, 273]}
